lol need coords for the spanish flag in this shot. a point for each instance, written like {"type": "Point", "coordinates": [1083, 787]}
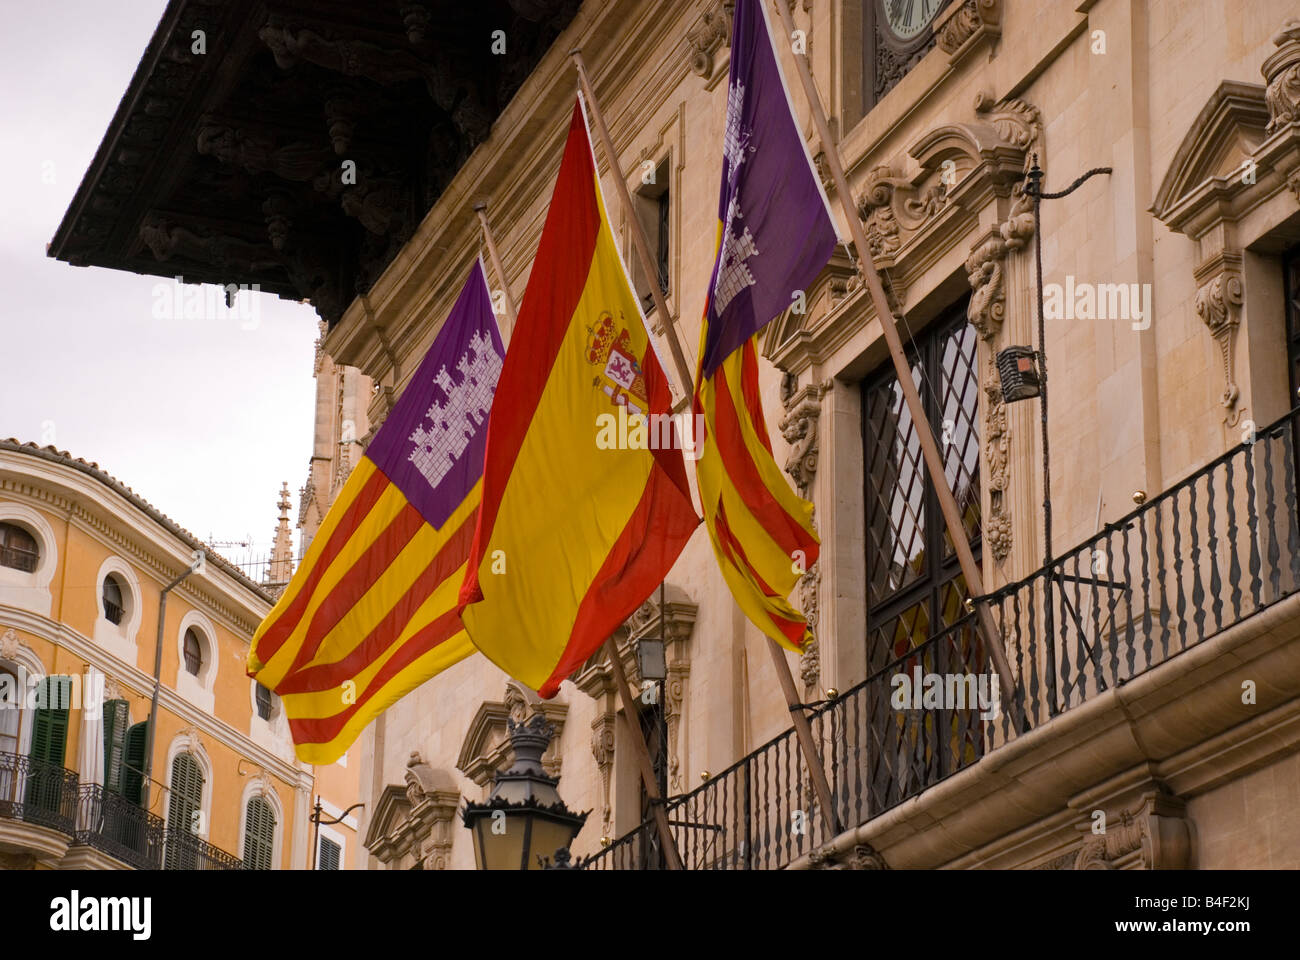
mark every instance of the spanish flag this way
{"type": "Point", "coordinates": [574, 533]}
{"type": "Point", "coordinates": [370, 613]}
{"type": "Point", "coordinates": [774, 236]}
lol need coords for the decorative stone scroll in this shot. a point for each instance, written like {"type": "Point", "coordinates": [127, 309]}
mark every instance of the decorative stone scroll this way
{"type": "Point", "coordinates": [1153, 836]}
{"type": "Point", "coordinates": [863, 856]}
{"type": "Point", "coordinates": [967, 23]}
{"type": "Point", "coordinates": [709, 34]}
{"type": "Point", "coordinates": [1282, 73]}
{"type": "Point", "coordinates": [1218, 304]}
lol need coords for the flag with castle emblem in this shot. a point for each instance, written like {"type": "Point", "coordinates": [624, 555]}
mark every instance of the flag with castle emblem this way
{"type": "Point", "coordinates": [775, 234]}
{"type": "Point", "coordinates": [573, 537]}
{"type": "Point", "coordinates": [370, 613]}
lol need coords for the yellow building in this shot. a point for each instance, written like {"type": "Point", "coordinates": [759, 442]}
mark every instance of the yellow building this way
{"type": "Point", "coordinates": [83, 565]}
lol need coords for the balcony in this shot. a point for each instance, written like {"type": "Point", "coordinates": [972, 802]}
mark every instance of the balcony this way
{"type": "Point", "coordinates": [113, 826]}
{"type": "Point", "coordinates": [183, 850]}
{"type": "Point", "coordinates": [47, 816]}
{"type": "Point", "coordinates": [38, 809]}
{"type": "Point", "coordinates": [1187, 567]}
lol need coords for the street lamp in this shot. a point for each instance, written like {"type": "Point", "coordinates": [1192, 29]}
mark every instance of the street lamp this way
{"type": "Point", "coordinates": [524, 821]}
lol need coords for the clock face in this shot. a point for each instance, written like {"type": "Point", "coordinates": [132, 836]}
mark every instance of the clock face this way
{"type": "Point", "coordinates": [907, 18]}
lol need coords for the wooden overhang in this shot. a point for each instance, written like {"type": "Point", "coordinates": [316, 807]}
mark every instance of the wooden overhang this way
{"type": "Point", "coordinates": [297, 145]}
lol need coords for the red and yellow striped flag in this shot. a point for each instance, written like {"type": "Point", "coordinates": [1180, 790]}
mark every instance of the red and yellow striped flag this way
{"type": "Point", "coordinates": [775, 235]}
{"type": "Point", "coordinates": [574, 533]}
{"type": "Point", "coordinates": [370, 614]}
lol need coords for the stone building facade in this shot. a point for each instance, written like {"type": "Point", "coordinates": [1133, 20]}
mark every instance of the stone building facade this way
{"type": "Point", "coordinates": [1152, 641]}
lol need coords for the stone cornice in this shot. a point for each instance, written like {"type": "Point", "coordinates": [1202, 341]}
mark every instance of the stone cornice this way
{"type": "Point", "coordinates": [294, 773]}
{"type": "Point", "coordinates": [1205, 181]}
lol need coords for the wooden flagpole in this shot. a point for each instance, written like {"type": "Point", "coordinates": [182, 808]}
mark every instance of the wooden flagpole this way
{"type": "Point", "coordinates": [803, 730]}
{"type": "Point", "coordinates": [925, 434]}
{"type": "Point", "coordinates": [495, 259]}
{"type": "Point", "coordinates": [639, 240]}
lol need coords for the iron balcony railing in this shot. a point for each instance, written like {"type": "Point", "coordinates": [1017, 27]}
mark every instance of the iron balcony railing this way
{"type": "Point", "coordinates": [183, 850]}
{"type": "Point", "coordinates": [1208, 553]}
{"type": "Point", "coordinates": [37, 792]}
{"type": "Point", "coordinates": [112, 824]}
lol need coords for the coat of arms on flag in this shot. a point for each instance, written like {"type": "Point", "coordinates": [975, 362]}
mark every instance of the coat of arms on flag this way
{"type": "Point", "coordinates": [621, 378]}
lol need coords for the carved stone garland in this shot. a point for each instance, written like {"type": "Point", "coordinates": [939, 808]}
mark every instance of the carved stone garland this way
{"type": "Point", "coordinates": [799, 427]}
{"type": "Point", "coordinates": [1019, 124]}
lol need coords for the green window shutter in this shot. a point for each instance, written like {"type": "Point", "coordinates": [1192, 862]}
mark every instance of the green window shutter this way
{"type": "Point", "coordinates": [132, 772]}
{"type": "Point", "coordinates": [50, 727]}
{"type": "Point", "coordinates": [186, 799]}
{"type": "Point", "coordinates": [329, 854]}
{"type": "Point", "coordinates": [116, 716]}
{"type": "Point", "coordinates": [259, 834]}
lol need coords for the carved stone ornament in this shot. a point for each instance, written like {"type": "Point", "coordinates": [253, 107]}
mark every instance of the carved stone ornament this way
{"type": "Point", "coordinates": [602, 750]}
{"type": "Point", "coordinates": [1153, 836]}
{"type": "Point", "coordinates": [969, 21]}
{"type": "Point", "coordinates": [413, 826]}
{"type": "Point", "coordinates": [997, 451]}
{"type": "Point", "coordinates": [710, 33]}
{"type": "Point", "coordinates": [486, 747]}
{"type": "Point", "coordinates": [596, 679]}
{"type": "Point", "coordinates": [799, 428]}
{"type": "Point", "coordinates": [863, 856]}
{"type": "Point", "coordinates": [9, 645]}
{"type": "Point", "coordinates": [1218, 304]}
{"type": "Point", "coordinates": [888, 204]}
{"type": "Point", "coordinates": [1282, 72]}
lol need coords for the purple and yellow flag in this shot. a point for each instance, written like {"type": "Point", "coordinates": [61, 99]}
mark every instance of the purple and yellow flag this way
{"type": "Point", "coordinates": [371, 613]}
{"type": "Point", "coordinates": [775, 234]}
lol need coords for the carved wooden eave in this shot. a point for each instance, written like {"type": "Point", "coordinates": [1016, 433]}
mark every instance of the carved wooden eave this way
{"type": "Point", "coordinates": [1205, 182]}
{"type": "Point", "coordinates": [224, 161]}
{"type": "Point", "coordinates": [486, 747]}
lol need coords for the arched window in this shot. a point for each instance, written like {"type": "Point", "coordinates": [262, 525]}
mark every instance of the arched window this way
{"type": "Point", "coordinates": [18, 548]}
{"type": "Point", "coordinates": [114, 605]}
{"type": "Point", "coordinates": [259, 834]}
{"type": "Point", "coordinates": [193, 651]}
{"type": "Point", "coordinates": [184, 813]}
{"type": "Point", "coordinates": [265, 702]}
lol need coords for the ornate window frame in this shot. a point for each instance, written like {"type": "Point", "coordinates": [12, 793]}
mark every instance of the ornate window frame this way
{"type": "Point", "coordinates": [31, 591]}
{"type": "Point", "coordinates": [262, 786]}
{"type": "Point", "coordinates": [199, 690]}
{"type": "Point", "coordinates": [120, 639]}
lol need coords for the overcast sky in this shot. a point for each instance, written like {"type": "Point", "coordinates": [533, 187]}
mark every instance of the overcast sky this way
{"type": "Point", "coordinates": [203, 418]}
